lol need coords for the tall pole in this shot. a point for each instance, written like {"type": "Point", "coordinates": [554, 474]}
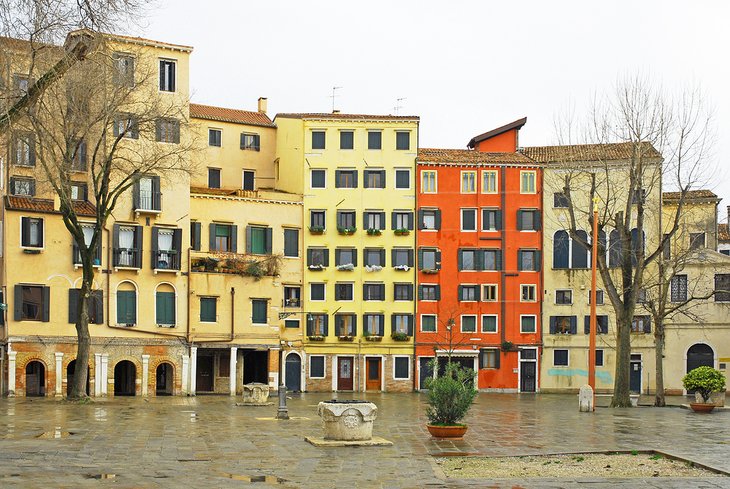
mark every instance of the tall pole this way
{"type": "Point", "coordinates": [282, 412]}
{"type": "Point", "coordinates": [592, 340]}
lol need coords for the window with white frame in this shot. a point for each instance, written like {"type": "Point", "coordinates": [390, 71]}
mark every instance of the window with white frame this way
{"type": "Point", "coordinates": [428, 182]}
{"type": "Point", "coordinates": [528, 324]}
{"type": "Point", "coordinates": [599, 297]}
{"type": "Point", "coordinates": [31, 232]}
{"type": "Point", "coordinates": [468, 182]}
{"type": "Point", "coordinates": [528, 293]}
{"type": "Point", "coordinates": [468, 324]}
{"type": "Point", "coordinates": [401, 368]}
{"type": "Point", "coordinates": [489, 292]}
{"type": "Point", "coordinates": [468, 219]}
{"type": "Point", "coordinates": [489, 181]}
{"type": "Point", "coordinates": [489, 323]}
{"type": "Point", "coordinates": [318, 178]}
{"type": "Point", "coordinates": [214, 137]}
{"type": "Point", "coordinates": [564, 297]}
{"type": "Point", "coordinates": [527, 182]}
{"type": "Point", "coordinates": [491, 220]}
{"type": "Point", "coordinates": [560, 358]}
{"type": "Point", "coordinates": [489, 358]}
{"type": "Point", "coordinates": [428, 323]}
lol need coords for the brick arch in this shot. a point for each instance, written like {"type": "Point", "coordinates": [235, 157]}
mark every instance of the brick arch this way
{"type": "Point", "coordinates": [49, 376]}
{"type": "Point", "coordinates": [137, 371]}
{"type": "Point", "coordinates": [152, 374]}
{"type": "Point", "coordinates": [64, 374]}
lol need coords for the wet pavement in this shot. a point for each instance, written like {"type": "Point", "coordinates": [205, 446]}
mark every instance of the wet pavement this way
{"type": "Point", "coordinates": [208, 441]}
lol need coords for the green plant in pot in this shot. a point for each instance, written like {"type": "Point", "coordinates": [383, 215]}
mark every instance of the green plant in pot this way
{"type": "Point", "coordinates": [705, 381]}
{"type": "Point", "coordinates": [450, 396]}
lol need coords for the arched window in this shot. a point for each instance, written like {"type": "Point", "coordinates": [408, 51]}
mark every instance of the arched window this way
{"type": "Point", "coordinates": [165, 305]}
{"type": "Point", "coordinates": [561, 248]}
{"type": "Point", "coordinates": [614, 249]}
{"type": "Point", "coordinates": [579, 252]}
{"type": "Point", "coordinates": [127, 304]}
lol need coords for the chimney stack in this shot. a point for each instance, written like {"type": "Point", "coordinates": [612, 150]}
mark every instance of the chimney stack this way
{"type": "Point", "coordinates": [262, 104]}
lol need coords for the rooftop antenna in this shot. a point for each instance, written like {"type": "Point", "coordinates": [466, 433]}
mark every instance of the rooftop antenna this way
{"type": "Point", "coordinates": [333, 96]}
{"type": "Point", "coordinates": [398, 105]}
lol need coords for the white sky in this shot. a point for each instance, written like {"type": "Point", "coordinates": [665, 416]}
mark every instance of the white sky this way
{"type": "Point", "coordinates": [463, 67]}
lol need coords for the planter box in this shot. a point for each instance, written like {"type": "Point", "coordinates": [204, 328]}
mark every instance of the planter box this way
{"type": "Point", "coordinates": [456, 431]}
{"type": "Point", "coordinates": [346, 338]}
{"type": "Point", "coordinates": [315, 338]}
{"type": "Point", "coordinates": [373, 338]}
{"type": "Point", "coordinates": [347, 420]}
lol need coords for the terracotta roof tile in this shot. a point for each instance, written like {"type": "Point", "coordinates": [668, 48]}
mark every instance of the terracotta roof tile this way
{"type": "Point", "coordinates": [349, 117]}
{"type": "Point", "coordinates": [586, 152]}
{"type": "Point", "coordinates": [700, 194]}
{"type": "Point", "coordinates": [152, 42]}
{"type": "Point", "coordinates": [45, 206]}
{"type": "Point", "coordinates": [230, 115]}
{"type": "Point", "coordinates": [722, 232]}
{"type": "Point", "coordinates": [496, 132]}
{"type": "Point", "coordinates": [469, 156]}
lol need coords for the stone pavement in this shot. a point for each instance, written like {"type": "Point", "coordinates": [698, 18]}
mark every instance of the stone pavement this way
{"type": "Point", "coordinates": [208, 441]}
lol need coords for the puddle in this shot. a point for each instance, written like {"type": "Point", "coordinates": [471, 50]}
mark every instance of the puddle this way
{"type": "Point", "coordinates": [55, 434]}
{"type": "Point", "coordinates": [266, 479]}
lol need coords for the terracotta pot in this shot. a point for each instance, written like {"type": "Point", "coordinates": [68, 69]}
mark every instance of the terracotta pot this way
{"type": "Point", "coordinates": [701, 407]}
{"type": "Point", "coordinates": [456, 431]}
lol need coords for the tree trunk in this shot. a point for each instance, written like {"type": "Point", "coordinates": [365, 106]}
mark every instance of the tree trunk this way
{"type": "Point", "coordinates": [80, 378]}
{"type": "Point", "coordinates": [659, 400]}
{"type": "Point", "coordinates": [621, 387]}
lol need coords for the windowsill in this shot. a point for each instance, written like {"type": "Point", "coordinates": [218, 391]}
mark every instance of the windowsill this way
{"type": "Point", "coordinates": [32, 250]}
{"type": "Point", "coordinates": [122, 325]}
{"type": "Point", "coordinates": [116, 268]}
{"type": "Point", "coordinates": [168, 326]}
{"type": "Point", "coordinates": [165, 270]}
{"type": "Point", "coordinates": [260, 324]}
{"type": "Point", "coordinates": [561, 304]}
{"type": "Point", "coordinates": [79, 265]}
{"type": "Point", "coordinates": [292, 257]}
{"type": "Point", "coordinates": [490, 332]}
{"type": "Point", "coordinates": [208, 322]}
{"type": "Point", "coordinates": [429, 230]}
{"type": "Point", "coordinates": [148, 211]}
{"type": "Point", "coordinates": [561, 366]}
{"type": "Point", "coordinates": [490, 230]}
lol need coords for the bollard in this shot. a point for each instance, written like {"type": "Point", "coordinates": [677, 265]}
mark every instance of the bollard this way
{"type": "Point", "coordinates": [282, 412]}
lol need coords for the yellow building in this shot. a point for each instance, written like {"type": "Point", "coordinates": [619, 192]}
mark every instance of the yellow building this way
{"type": "Point", "coordinates": [356, 173]}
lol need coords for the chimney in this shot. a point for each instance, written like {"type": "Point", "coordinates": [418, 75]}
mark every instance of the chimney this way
{"type": "Point", "coordinates": [336, 111]}
{"type": "Point", "coordinates": [262, 104]}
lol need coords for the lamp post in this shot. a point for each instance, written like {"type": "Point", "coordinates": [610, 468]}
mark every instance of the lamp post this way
{"type": "Point", "coordinates": [282, 412]}
{"type": "Point", "coordinates": [593, 319]}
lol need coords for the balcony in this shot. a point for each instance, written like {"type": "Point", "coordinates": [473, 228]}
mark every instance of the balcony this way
{"type": "Point", "coordinates": [145, 201]}
{"type": "Point", "coordinates": [256, 266]}
{"type": "Point", "coordinates": [167, 260]}
{"type": "Point", "coordinates": [292, 302]}
{"type": "Point", "coordinates": [77, 256]}
{"type": "Point", "coordinates": [127, 258]}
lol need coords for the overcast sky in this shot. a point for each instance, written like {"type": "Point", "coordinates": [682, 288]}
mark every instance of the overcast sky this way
{"type": "Point", "coordinates": [463, 67]}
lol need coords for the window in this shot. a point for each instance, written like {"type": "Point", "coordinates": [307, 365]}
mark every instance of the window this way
{"type": "Point", "coordinates": [429, 292]}
{"type": "Point", "coordinates": [374, 257]}
{"type": "Point", "coordinates": [127, 246]}
{"type": "Point", "coordinates": [489, 292]}
{"type": "Point", "coordinates": [696, 241]}
{"type": "Point", "coordinates": [375, 140]}
{"type": "Point", "coordinates": [166, 248]}
{"type": "Point", "coordinates": [489, 181]}
{"type": "Point", "coordinates": [316, 367]}
{"type": "Point", "coordinates": [250, 142]}
{"type": "Point", "coordinates": [22, 186]}
{"type": "Point", "coordinates": [528, 220]}
{"type": "Point", "coordinates": [31, 232]}
{"type": "Point", "coordinates": [316, 292]}
{"type": "Point", "coordinates": [560, 200]}
{"type": "Point", "coordinates": [123, 75]}
{"type": "Point", "coordinates": [146, 195]}
{"type": "Point", "coordinates": [127, 305]}
{"type": "Point", "coordinates": [402, 140]}
{"type": "Point", "coordinates": [489, 358]}
{"type": "Point", "coordinates": [428, 323]}
{"type": "Point", "coordinates": [563, 325]}
{"type": "Point", "coordinates": [601, 324]}
{"type": "Point", "coordinates": [79, 155]}
{"type": "Point", "coordinates": [317, 220]}
{"type": "Point", "coordinates": [402, 178]}
{"type": "Point", "coordinates": [126, 126]}
{"type": "Point", "coordinates": [318, 178]}
{"type": "Point", "coordinates": [374, 324]}
{"type": "Point", "coordinates": [491, 259]}
{"type": "Point", "coordinates": [468, 293]}
{"type": "Point", "coordinates": [165, 308]}
{"type": "Point", "coordinates": [528, 293]}
{"type": "Point", "coordinates": [343, 291]}
{"type": "Point", "coordinates": [167, 75]}
{"type": "Point", "coordinates": [214, 137]}
{"type": "Point", "coordinates": [249, 180]}
{"type": "Point", "coordinates": [214, 178]}
{"type": "Point", "coordinates": [678, 287]}
{"type": "Point", "coordinates": [564, 297]}
{"type": "Point", "coordinates": [23, 149]}
{"type": "Point", "coordinates": [317, 324]}
{"type": "Point", "coordinates": [527, 182]}
{"type": "Point", "coordinates": [96, 306]}
{"type": "Point", "coordinates": [208, 309]}
{"type": "Point", "coordinates": [561, 250]}
{"type": "Point", "coordinates": [258, 311]}
{"type": "Point", "coordinates": [468, 324]}
{"type": "Point", "coordinates": [346, 257]}
{"type": "Point", "coordinates": [528, 324]}
{"type": "Point", "coordinates": [345, 325]}
{"type": "Point", "coordinates": [401, 368]}
{"type": "Point", "coordinates": [292, 296]}
{"type": "Point", "coordinates": [402, 257]}
{"type": "Point", "coordinates": [468, 182]}
{"type": "Point", "coordinates": [318, 257]}
{"type": "Point", "coordinates": [429, 219]}
{"type": "Point", "coordinates": [373, 292]}
{"type": "Point", "coordinates": [599, 358]}
{"type": "Point", "coordinates": [291, 323]}
{"type": "Point", "coordinates": [491, 219]}
{"type": "Point", "coordinates": [489, 323]}
{"type": "Point", "coordinates": [468, 219]}
{"type": "Point", "coordinates": [401, 220]}
{"type": "Point", "coordinates": [667, 250]}
{"type": "Point", "coordinates": [347, 140]}
{"type": "Point", "coordinates": [560, 358]}
{"type": "Point", "coordinates": [402, 323]}
{"type": "Point", "coordinates": [403, 292]}
{"type": "Point", "coordinates": [599, 297]}
{"type": "Point", "coordinates": [428, 182]}
{"type": "Point", "coordinates": [32, 303]}
{"type": "Point", "coordinates": [223, 237]}
{"type": "Point", "coordinates": [346, 178]}
{"type": "Point", "coordinates": [167, 131]}
{"type": "Point", "coordinates": [346, 220]}
{"type": "Point", "coordinates": [638, 196]}
{"type": "Point", "coordinates": [722, 287]}
{"type": "Point", "coordinates": [429, 259]}
{"type": "Point", "coordinates": [641, 324]}
{"type": "Point", "coordinates": [318, 139]}
{"type": "Point", "coordinates": [528, 260]}
{"type": "Point", "coordinates": [374, 220]}
{"type": "Point", "coordinates": [374, 178]}
{"type": "Point", "coordinates": [291, 243]}
{"type": "Point", "coordinates": [88, 231]}
{"type": "Point", "coordinates": [258, 240]}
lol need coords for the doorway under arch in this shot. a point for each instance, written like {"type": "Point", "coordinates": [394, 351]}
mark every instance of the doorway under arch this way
{"type": "Point", "coordinates": [700, 355]}
{"type": "Point", "coordinates": [293, 378]}
{"type": "Point", "coordinates": [125, 374]}
{"type": "Point", "coordinates": [163, 379]}
{"type": "Point", "coordinates": [70, 370]}
{"type": "Point", "coordinates": [35, 379]}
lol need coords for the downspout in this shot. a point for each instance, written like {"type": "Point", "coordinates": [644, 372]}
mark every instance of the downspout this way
{"type": "Point", "coordinates": [108, 271]}
{"type": "Point", "coordinates": [190, 268]}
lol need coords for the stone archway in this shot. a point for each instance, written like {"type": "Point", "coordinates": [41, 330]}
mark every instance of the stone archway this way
{"type": "Point", "coordinates": [699, 355]}
{"type": "Point", "coordinates": [293, 369]}
{"type": "Point", "coordinates": [35, 379]}
{"type": "Point", "coordinates": [70, 370]}
{"type": "Point", "coordinates": [125, 377]}
{"type": "Point", "coordinates": [164, 379]}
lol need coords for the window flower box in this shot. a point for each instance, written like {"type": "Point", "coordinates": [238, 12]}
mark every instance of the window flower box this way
{"type": "Point", "coordinates": [346, 231]}
{"type": "Point", "coordinates": [315, 268]}
{"type": "Point", "coordinates": [317, 337]}
{"type": "Point", "coordinates": [373, 338]}
{"type": "Point", "coordinates": [401, 268]}
{"type": "Point", "coordinates": [346, 267]}
{"type": "Point", "coordinates": [316, 230]}
{"type": "Point", "coordinates": [374, 232]}
{"type": "Point", "coordinates": [400, 336]}
{"type": "Point", "coordinates": [346, 338]}
{"type": "Point", "coordinates": [402, 232]}
{"type": "Point", "coordinates": [508, 346]}
{"type": "Point", "coordinates": [373, 268]}
{"type": "Point", "coordinates": [429, 271]}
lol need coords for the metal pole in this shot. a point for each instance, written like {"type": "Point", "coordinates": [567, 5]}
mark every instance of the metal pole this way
{"type": "Point", "coordinates": [592, 340]}
{"type": "Point", "coordinates": [282, 412]}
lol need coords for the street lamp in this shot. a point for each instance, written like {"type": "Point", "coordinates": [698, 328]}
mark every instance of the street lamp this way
{"type": "Point", "coordinates": [282, 412]}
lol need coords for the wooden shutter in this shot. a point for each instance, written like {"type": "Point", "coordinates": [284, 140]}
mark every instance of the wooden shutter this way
{"type": "Point", "coordinates": [438, 292]}
{"type": "Point", "coordinates": [538, 260]}
{"type": "Point", "coordinates": [138, 246]}
{"type": "Point", "coordinates": [498, 356]}
{"type": "Point", "coordinates": [175, 130]}
{"type": "Point", "coordinates": [354, 325]}
{"type": "Point", "coordinates": [409, 329]}
{"type": "Point", "coordinates": [519, 259]}
{"type": "Point", "coordinates": [420, 292]}
{"type": "Point", "coordinates": [326, 324]}
{"type": "Point", "coordinates": [177, 241]}
{"type": "Point", "coordinates": [382, 257]}
{"type": "Point", "coordinates": [172, 66]}
{"type": "Point", "coordinates": [337, 178]}
{"type": "Point", "coordinates": [269, 240]}
{"type": "Point", "coordinates": [326, 253]}
{"type": "Point", "coordinates": [234, 239]}
{"type": "Point", "coordinates": [338, 259]}
{"type": "Point", "coordinates": [18, 302]}
{"type": "Point", "coordinates": [115, 245]}
{"type": "Point", "coordinates": [382, 221]}
{"type": "Point", "coordinates": [438, 219]}
{"type": "Point", "coordinates": [354, 178]}
{"type": "Point", "coordinates": [498, 220]}
{"type": "Point", "coordinates": [211, 238]}
{"type": "Point", "coordinates": [392, 323]}
{"type": "Point", "coordinates": [460, 292]}
{"type": "Point", "coordinates": [537, 221]}
{"type": "Point", "coordinates": [477, 293]}
{"type": "Point", "coordinates": [156, 193]}
{"type": "Point", "coordinates": [354, 256]}
{"type": "Point", "coordinates": [309, 256]}
{"type": "Point", "coordinates": [24, 231]}
{"type": "Point", "coordinates": [438, 260]}
{"type": "Point", "coordinates": [97, 297]}
{"type": "Point", "coordinates": [460, 258]}
{"type": "Point", "coordinates": [421, 214]}
{"type": "Point", "coordinates": [31, 149]}
{"type": "Point", "coordinates": [410, 221]}
{"type": "Point", "coordinates": [410, 257]}
{"type": "Point", "coordinates": [158, 129]}
{"type": "Point", "coordinates": [553, 325]}
{"type": "Point", "coordinates": [420, 259]}
{"type": "Point", "coordinates": [381, 291]}
{"type": "Point", "coordinates": [587, 325]}
{"type": "Point", "coordinates": [519, 220]}
{"type": "Point", "coordinates": [573, 325]}
{"type": "Point", "coordinates": [46, 304]}
{"type": "Point", "coordinates": [392, 220]}
{"type": "Point", "coordinates": [73, 305]}
{"type": "Point", "coordinates": [155, 244]}
{"type": "Point", "coordinates": [248, 239]}
{"type": "Point", "coordinates": [647, 324]}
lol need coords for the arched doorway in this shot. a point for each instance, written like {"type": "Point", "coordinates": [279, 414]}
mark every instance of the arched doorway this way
{"type": "Point", "coordinates": [125, 374]}
{"type": "Point", "coordinates": [70, 370]}
{"type": "Point", "coordinates": [163, 379]}
{"type": "Point", "coordinates": [293, 372]}
{"type": "Point", "coordinates": [700, 355]}
{"type": "Point", "coordinates": [35, 379]}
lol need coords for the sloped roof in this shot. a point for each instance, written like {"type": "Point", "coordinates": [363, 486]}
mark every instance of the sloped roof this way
{"type": "Point", "coordinates": [496, 132]}
{"type": "Point", "coordinates": [588, 152]}
{"type": "Point", "coordinates": [349, 117]}
{"type": "Point", "coordinates": [722, 232]}
{"type": "Point", "coordinates": [470, 156]}
{"type": "Point", "coordinates": [700, 194]}
{"type": "Point", "coordinates": [16, 203]}
{"type": "Point", "coordinates": [152, 42]}
{"type": "Point", "coordinates": [235, 116]}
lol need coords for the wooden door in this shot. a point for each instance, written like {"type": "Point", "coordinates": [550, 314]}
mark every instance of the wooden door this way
{"type": "Point", "coordinates": [344, 373]}
{"type": "Point", "coordinates": [204, 375]}
{"type": "Point", "coordinates": [373, 380]}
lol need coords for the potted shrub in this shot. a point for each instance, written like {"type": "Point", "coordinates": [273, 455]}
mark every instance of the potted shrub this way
{"type": "Point", "coordinates": [402, 232]}
{"type": "Point", "coordinates": [450, 396]}
{"type": "Point", "coordinates": [346, 231]}
{"type": "Point", "coordinates": [373, 232]}
{"type": "Point", "coordinates": [704, 381]}
{"type": "Point", "coordinates": [400, 336]}
{"type": "Point", "coordinates": [316, 229]}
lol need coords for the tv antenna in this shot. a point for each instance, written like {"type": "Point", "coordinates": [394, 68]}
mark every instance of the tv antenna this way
{"type": "Point", "coordinates": [333, 96]}
{"type": "Point", "coordinates": [398, 104]}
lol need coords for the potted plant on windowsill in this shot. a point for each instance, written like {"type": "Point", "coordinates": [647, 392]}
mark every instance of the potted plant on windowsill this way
{"type": "Point", "coordinates": [704, 381]}
{"type": "Point", "coordinates": [316, 229]}
{"type": "Point", "coordinates": [315, 337]}
{"type": "Point", "coordinates": [402, 232]}
{"type": "Point", "coordinates": [450, 396]}
{"type": "Point", "coordinates": [373, 232]}
{"type": "Point", "coordinates": [400, 336]}
{"type": "Point", "coordinates": [346, 231]}
{"type": "Point", "coordinates": [346, 338]}
{"type": "Point", "coordinates": [315, 268]}
{"type": "Point", "coordinates": [372, 337]}
{"type": "Point", "coordinates": [508, 346]}
{"type": "Point", "coordinates": [430, 271]}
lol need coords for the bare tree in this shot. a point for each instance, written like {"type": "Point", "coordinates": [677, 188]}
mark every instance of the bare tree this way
{"type": "Point", "coordinates": [637, 140]}
{"type": "Point", "coordinates": [106, 121]}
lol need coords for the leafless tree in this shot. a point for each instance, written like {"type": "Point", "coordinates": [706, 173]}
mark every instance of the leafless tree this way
{"type": "Point", "coordinates": [640, 139]}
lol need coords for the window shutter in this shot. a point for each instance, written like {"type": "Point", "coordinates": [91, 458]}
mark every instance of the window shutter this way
{"type": "Point", "coordinates": [537, 220]}
{"type": "Point", "coordinates": [46, 304]}
{"type": "Point", "coordinates": [354, 257]}
{"type": "Point", "coordinates": [420, 292]}
{"type": "Point", "coordinates": [538, 260]}
{"type": "Point", "coordinates": [587, 325]}
{"type": "Point", "coordinates": [460, 292]}
{"type": "Point", "coordinates": [498, 220]}
{"type": "Point", "coordinates": [98, 304]}
{"type": "Point", "coordinates": [211, 238]}
{"type": "Point", "coordinates": [410, 221]}
{"type": "Point", "coordinates": [243, 136]}
{"type": "Point", "coordinates": [410, 291]}
{"type": "Point", "coordinates": [647, 324]}
{"type": "Point", "coordinates": [310, 320]}
{"type": "Point", "coordinates": [309, 256]}
{"type": "Point", "coordinates": [392, 256]}
{"type": "Point", "coordinates": [438, 260]}
{"type": "Point", "coordinates": [553, 325]}
{"type": "Point", "coordinates": [24, 231]}
{"type": "Point", "coordinates": [354, 178]}
{"type": "Point", "coordinates": [438, 292]}
{"type": "Point", "coordinates": [234, 239]}
{"type": "Point", "coordinates": [2, 314]}
{"type": "Point", "coordinates": [172, 67]}
{"type": "Point", "coordinates": [519, 220]}
{"type": "Point", "coordinates": [248, 239]}
{"type": "Point", "coordinates": [257, 142]}
{"type": "Point", "coordinates": [31, 143]}
{"type": "Point", "coordinates": [498, 260]}
{"type": "Point", "coordinates": [392, 323]}
{"type": "Point", "coordinates": [354, 325]}
{"type": "Point", "coordinates": [73, 305]}
{"type": "Point", "coordinates": [155, 242]}
{"type": "Point", "coordinates": [410, 324]}
{"type": "Point", "coordinates": [497, 357]}
{"type": "Point", "coordinates": [420, 259]}
{"type": "Point", "coordinates": [420, 219]}
{"type": "Point", "coordinates": [115, 244]}
{"type": "Point", "coordinates": [477, 293]}
{"type": "Point", "coordinates": [519, 259]}
{"type": "Point", "coordinates": [156, 196]}
{"type": "Point", "coordinates": [382, 256]}
{"type": "Point", "coordinates": [479, 259]}
{"type": "Point", "coordinates": [573, 324]}
{"type": "Point", "coordinates": [177, 241]}
{"type": "Point", "coordinates": [160, 308]}
{"type": "Point", "coordinates": [392, 220]}
{"type": "Point", "coordinates": [410, 257]}
{"type": "Point", "coordinates": [18, 302]}
{"type": "Point", "coordinates": [381, 292]}
{"type": "Point", "coordinates": [382, 221]}
{"type": "Point", "coordinates": [365, 183]}
{"type": "Point", "coordinates": [158, 130]}
{"type": "Point", "coordinates": [176, 131]}
{"type": "Point", "coordinates": [337, 178]}
{"type": "Point", "coordinates": [438, 219]}
{"type": "Point", "coordinates": [459, 260]}
{"type": "Point", "coordinates": [326, 324]}
{"type": "Point", "coordinates": [32, 188]}
{"type": "Point", "coordinates": [138, 246]}
{"type": "Point", "coordinates": [326, 253]}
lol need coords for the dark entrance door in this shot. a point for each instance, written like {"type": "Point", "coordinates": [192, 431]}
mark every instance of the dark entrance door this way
{"type": "Point", "coordinates": [255, 366]}
{"type": "Point", "coordinates": [70, 371]}
{"type": "Point", "coordinates": [293, 372]}
{"type": "Point", "coordinates": [163, 380]}
{"type": "Point", "coordinates": [125, 374]}
{"type": "Point", "coordinates": [528, 376]}
{"type": "Point", "coordinates": [635, 374]}
{"type": "Point", "coordinates": [344, 373]}
{"type": "Point", "coordinates": [35, 379]}
{"type": "Point", "coordinates": [204, 374]}
{"type": "Point", "coordinates": [699, 355]}
{"type": "Point", "coordinates": [425, 371]}
{"type": "Point", "coordinates": [372, 382]}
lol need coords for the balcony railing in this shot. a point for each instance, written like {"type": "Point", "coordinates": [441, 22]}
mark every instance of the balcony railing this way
{"type": "Point", "coordinates": [127, 257]}
{"type": "Point", "coordinates": [166, 260]}
{"type": "Point", "coordinates": [292, 302]}
{"type": "Point", "coordinates": [147, 201]}
{"type": "Point", "coordinates": [77, 256]}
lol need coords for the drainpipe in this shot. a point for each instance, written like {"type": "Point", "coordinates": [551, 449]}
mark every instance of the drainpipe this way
{"type": "Point", "coordinates": [108, 270]}
{"type": "Point", "coordinates": [502, 278]}
{"type": "Point", "coordinates": [190, 268]}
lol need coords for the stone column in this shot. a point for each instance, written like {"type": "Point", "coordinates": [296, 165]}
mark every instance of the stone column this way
{"type": "Point", "coordinates": [59, 374]}
{"type": "Point", "coordinates": [104, 382]}
{"type": "Point", "coordinates": [234, 359]}
{"type": "Point", "coordinates": [97, 374]}
{"type": "Point", "coordinates": [185, 375]}
{"type": "Point", "coordinates": [145, 374]}
{"type": "Point", "coordinates": [193, 368]}
{"type": "Point", "coordinates": [11, 373]}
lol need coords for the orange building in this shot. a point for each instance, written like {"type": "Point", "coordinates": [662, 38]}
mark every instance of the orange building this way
{"type": "Point", "coordinates": [479, 260]}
